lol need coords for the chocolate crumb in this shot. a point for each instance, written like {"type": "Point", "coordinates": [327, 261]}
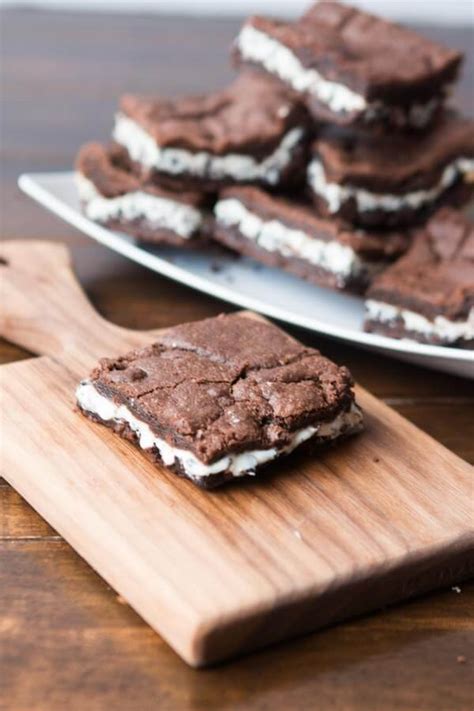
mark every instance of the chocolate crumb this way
{"type": "Point", "coordinates": [137, 374]}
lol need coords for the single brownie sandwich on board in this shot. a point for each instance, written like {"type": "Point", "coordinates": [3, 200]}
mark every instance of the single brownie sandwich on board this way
{"type": "Point", "coordinates": [250, 132]}
{"type": "Point", "coordinates": [111, 194]}
{"type": "Point", "coordinates": [291, 235]}
{"type": "Point", "coordinates": [218, 399]}
{"type": "Point", "coordinates": [389, 181]}
{"type": "Point", "coordinates": [428, 295]}
{"type": "Point", "coordinates": [352, 67]}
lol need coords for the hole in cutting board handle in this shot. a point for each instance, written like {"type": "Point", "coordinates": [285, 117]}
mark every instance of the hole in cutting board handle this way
{"type": "Point", "coordinates": [4, 262]}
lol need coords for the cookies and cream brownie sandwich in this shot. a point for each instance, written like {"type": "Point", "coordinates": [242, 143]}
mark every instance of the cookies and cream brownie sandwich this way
{"type": "Point", "coordinates": [389, 181]}
{"type": "Point", "coordinates": [352, 67]}
{"type": "Point", "coordinates": [111, 194]}
{"type": "Point", "coordinates": [293, 236]}
{"type": "Point", "coordinates": [218, 399]}
{"type": "Point", "coordinates": [428, 295]}
{"type": "Point", "coordinates": [250, 132]}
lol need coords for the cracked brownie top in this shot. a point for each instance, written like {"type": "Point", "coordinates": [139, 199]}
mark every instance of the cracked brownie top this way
{"type": "Point", "coordinates": [226, 384]}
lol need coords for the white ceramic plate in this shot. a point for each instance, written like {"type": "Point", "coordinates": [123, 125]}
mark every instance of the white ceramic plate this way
{"type": "Point", "coordinates": [246, 283]}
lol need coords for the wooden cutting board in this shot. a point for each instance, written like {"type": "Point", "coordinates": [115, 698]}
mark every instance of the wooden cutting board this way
{"type": "Point", "coordinates": [379, 518]}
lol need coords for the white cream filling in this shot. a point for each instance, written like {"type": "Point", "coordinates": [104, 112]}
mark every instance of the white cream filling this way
{"type": "Point", "coordinates": [143, 149]}
{"type": "Point", "coordinates": [160, 212]}
{"type": "Point", "coordinates": [240, 464]}
{"type": "Point", "coordinates": [256, 46]}
{"type": "Point", "coordinates": [273, 236]}
{"type": "Point", "coordinates": [440, 327]}
{"type": "Point", "coordinates": [336, 195]}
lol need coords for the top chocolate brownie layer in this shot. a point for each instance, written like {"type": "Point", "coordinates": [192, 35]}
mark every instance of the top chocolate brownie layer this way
{"type": "Point", "coordinates": [110, 170]}
{"type": "Point", "coordinates": [375, 58]}
{"type": "Point", "coordinates": [251, 116]}
{"type": "Point", "coordinates": [436, 276]}
{"type": "Point", "coordinates": [226, 384]}
{"type": "Point", "coordinates": [300, 216]}
{"type": "Point", "coordinates": [396, 163]}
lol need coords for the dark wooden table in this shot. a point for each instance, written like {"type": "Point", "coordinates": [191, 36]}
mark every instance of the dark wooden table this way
{"type": "Point", "coordinates": [67, 641]}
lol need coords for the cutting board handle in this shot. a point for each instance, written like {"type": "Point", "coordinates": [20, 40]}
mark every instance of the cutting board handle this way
{"type": "Point", "coordinates": [44, 309]}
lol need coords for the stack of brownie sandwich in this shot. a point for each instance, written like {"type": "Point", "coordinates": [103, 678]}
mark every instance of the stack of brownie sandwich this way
{"type": "Point", "coordinates": [332, 155]}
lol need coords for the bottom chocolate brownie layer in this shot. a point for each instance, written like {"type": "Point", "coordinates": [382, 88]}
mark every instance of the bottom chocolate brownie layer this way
{"type": "Point", "coordinates": [350, 423]}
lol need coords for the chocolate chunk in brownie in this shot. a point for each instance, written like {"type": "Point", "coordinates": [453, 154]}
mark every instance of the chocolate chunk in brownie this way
{"type": "Point", "coordinates": [252, 131]}
{"type": "Point", "coordinates": [217, 399]}
{"type": "Point", "coordinates": [428, 295]}
{"type": "Point", "coordinates": [352, 67]}
{"type": "Point", "coordinates": [113, 195]}
{"type": "Point", "coordinates": [291, 235]}
{"type": "Point", "coordinates": [389, 181]}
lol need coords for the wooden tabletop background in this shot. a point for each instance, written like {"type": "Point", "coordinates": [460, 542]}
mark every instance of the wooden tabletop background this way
{"type": "Point", "coordinates": [66, 640]}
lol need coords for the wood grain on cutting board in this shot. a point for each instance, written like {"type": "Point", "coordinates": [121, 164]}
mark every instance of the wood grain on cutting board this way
{"type": "Point", "coordinates": [383, 516]}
